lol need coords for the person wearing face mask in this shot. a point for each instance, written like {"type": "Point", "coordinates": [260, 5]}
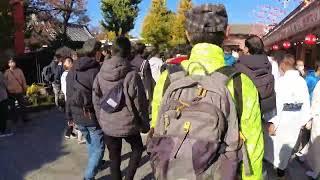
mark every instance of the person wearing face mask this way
{"type": "Point", "coordinates": [229, 59]}
{"type": "Point", "coordinates": [293, 112]}
{"type": "Point", "coordinates": [312, 78]}
{"type": "Point", "coordinates": [300, 67]}
{"type": "Point", "coordinates": [235, 54]}
{"type": "Point", "coordinates": [275, 67]}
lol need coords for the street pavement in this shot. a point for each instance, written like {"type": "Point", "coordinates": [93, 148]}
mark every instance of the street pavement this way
{"type": "Point", "coordinates": [39, 151]}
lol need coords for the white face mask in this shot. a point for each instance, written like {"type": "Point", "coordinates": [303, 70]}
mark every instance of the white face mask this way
{"type": "Point", "coordinates": [235, 55]}
{"type": "Point", "coordinates": [300, 68]}
{"type": "Point", "coordinates": [281, 72]}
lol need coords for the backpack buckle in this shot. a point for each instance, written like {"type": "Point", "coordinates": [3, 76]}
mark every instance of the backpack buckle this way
{"type": "Point", "coordinates": [182, 106]}
{"type": "Point", "coordinates": [201, 92]}
{"type": "Point", "coordinates": [166, 123]}
{"type": "Point", "coordinates": [187, 127]}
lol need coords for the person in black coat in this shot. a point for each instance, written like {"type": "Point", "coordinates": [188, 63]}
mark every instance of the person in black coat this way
{"type": "Point", "coordinates": [79, 106]}
{"type": "Point", "coordinates": [57, 69]}
{"type": "Point", "coordinates": [142, 66]}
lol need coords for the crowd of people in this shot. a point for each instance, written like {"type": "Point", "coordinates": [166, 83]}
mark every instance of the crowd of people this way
{"type": "Point", "coordinates": [216, 112]}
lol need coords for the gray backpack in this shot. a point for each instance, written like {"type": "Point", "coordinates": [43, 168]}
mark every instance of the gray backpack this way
{"type": "Point", "coordinates": [197, 133]}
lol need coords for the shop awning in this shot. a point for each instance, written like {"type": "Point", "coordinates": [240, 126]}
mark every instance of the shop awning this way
{"type": "Point", "coordinates": [303, 19]}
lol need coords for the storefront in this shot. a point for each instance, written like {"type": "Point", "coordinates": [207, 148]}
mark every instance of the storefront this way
{"type": "Point", "coordinates": [238, 33]}
{"type": "Point", "coordinates": [291, 33]}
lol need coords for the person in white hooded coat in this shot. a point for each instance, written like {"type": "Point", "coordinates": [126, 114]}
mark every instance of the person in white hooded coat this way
{"type": "Point", "coordinates": [293, 107]}
{"type": "Point", "coordinates": [312, 156]}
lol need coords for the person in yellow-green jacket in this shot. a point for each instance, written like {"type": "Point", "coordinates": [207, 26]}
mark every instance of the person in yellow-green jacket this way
{"type": "Point", "coordinates": [206, 30]}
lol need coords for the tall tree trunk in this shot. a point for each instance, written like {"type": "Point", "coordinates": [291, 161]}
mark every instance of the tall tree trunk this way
{"type": "Point", "coordinates": [66, 18]}
{"type": "Point", "coordinates": [123, 33]}
{"type": "Point", "coordinates": [65, 26]}
{"type": "Point", "coordinates": [117, 33]}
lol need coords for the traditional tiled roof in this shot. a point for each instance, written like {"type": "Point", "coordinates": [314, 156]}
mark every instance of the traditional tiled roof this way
{"type": "Point", "coordinates": [44, 30]}
{"type": "Point", "coordinates": [78, 33]}
{"type": "Point", "coordinates": [247, 29]}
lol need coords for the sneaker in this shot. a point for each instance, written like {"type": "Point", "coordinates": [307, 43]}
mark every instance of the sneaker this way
{"type": "Point", "coordinates": [280, 173]}
{"type": "Point", "coordinates": [103, 165]}
{"type": "Point", "coordinates": [67, 137]}
{"type": "Point", "coordinates": [73, 136]}
{"type": "Point", "coordinates": [6, 134]}
{"type": "Point", "coordinates": [82, 142]}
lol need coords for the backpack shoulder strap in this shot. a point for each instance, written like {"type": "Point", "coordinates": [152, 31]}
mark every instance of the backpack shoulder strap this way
{"type": "Point", "coordinates": [143, 65]}
{"type": "Point", "coordinates": [98, 91]}
{"type": "Point", "coordinates": [232, 73]}
{"type": "Point", "coordinates": [16, 78]}
{"type": "Point", "coordinates": [176, 72]}
{"type": "Point", "coordinates": [81, 84]}
{"type": "Point", "coordinates": [228, 71]}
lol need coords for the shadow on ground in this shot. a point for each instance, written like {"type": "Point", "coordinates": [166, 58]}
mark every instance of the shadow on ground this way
{"type": "Point", "coordinates": [35, 144]}
{"type": "Point", "coordinates": [124, 157]}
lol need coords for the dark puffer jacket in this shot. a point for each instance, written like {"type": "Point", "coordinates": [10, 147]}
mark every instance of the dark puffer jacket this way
{"type": "Point", "coordinates": [259, 70]}
{"type": "Point", "coordinates": [86, 70]}
{"type": "Point", "coordinates": [133, 117]}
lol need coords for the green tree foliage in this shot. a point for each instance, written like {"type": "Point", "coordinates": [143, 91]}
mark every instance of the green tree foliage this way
{"type": "Point", "coordinates": [119, 15]}
{"type": "Point", "coordinates": [64, 11]}
{"type": "Point", "coordinates": [178, 26]}
{"type": "Point", "coordinates": [157, 24]}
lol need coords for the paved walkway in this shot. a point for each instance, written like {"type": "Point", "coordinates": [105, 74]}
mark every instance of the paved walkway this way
{"type": "Point", "coordinates": [38, 151]}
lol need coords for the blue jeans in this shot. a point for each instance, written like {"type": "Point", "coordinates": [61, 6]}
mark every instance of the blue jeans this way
{"type": "Point", "coordinates": [95, 145]}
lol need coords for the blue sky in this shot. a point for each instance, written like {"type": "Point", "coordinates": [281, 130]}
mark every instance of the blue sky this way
{"type": "Point", "coordinates": [239, 11]}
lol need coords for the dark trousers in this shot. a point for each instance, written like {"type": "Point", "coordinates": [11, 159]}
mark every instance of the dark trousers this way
{"type": "Point", "coordinates": [17, 110]}
{"type": "Point", "coordinates": [3, 115]}
{"type": "Point", "coordinates": [69, 130]}
{"type": "Point", "coordinates": [114, 145]}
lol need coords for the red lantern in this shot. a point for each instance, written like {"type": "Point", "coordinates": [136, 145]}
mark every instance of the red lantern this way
{"type": "Point", "coordinates": [310, 39]}
{"type": "Point", "coordinates": [275, 47]}
{"type": "Point", "coordinates": [286, 45]}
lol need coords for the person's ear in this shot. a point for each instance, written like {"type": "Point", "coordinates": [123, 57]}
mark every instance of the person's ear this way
{"type": "Point", "coordinates": [282, 66]}
{"type": "Point", "coordinates": [227, 32]}
{"type": "Point", "coordinates": [188, 36]}
{"type": "Point", "coordinates": [246, 50]}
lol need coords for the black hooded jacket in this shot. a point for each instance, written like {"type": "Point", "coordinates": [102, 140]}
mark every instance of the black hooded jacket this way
{"type": "Point", "coordinates": [57, 71]}
{"type": "Point", "coordinates": [81, 79]}
{"type": "Point", "coordinates": [259, 70]}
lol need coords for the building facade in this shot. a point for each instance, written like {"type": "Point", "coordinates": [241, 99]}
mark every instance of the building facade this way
{"type": "Point", "coordinates": [304, 20]}
{"type": "Point", "coordinates": [238, 33]}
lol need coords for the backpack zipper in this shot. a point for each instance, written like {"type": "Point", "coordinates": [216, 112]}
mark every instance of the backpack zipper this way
{"type": "Point", "coordinates": [186, 129]}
